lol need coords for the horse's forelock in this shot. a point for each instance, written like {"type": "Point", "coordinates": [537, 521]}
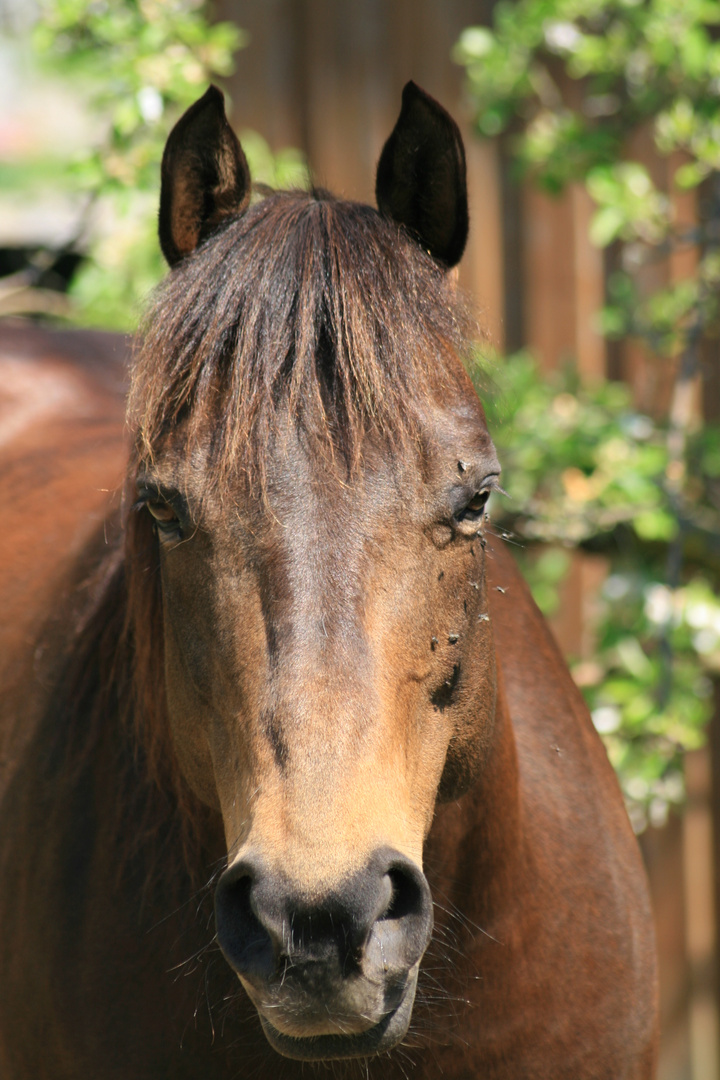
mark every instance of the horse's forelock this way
{"type": "Point", "coordinates": [307, 304]}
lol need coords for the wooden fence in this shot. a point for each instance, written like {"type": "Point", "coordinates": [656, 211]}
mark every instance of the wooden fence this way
{"type": "Point", "coordinates": [326, 76]}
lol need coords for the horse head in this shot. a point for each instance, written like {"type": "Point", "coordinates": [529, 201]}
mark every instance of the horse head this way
{"type": "Point", "coordinates": [312, 468]}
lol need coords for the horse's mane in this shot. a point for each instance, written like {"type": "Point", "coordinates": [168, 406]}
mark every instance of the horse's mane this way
{"type": "Point", "coordinates": [306, 303]}
{"type": "Point", "coordinates": [99, 671]}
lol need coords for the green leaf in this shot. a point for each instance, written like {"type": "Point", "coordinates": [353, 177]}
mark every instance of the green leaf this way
{"type": "Point", "coordinates": [606, 225]}
{"type": "Point", "coordinates": [655, 525]}
{"type": "Point", "coordinates": [690, 175]}
{"type": "Point", "coordinates": [474, 43]}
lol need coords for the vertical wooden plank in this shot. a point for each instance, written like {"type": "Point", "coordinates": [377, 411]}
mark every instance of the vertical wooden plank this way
{"type": "Point", "coordinates": [331, 146]}
{"type": "Point", "coordinates": [514, 263]}
{"type": "Point", "coordinates": [700, 917]}
{"type": "Point", "coordinates": [683, 265]}
{"type": "Point", "coordinates": [564, 278]}
{"type": "Point", "coordinates": [714, 749]}
{"type": "Point", "coordinates": [574, 622]}
{"type": "Point", "coordinates": [589, 284]}
{"type": "Point", "coordinates": [663, 855]}
{"type": "Point", "coordinates": [482, 271]}
{"type": "Point", "coordinates": [265, 88]}
{"type": "Point", "coordinates": [564, 282]}
{"type": "Point", "coordinates": [648, 375]}
{"type": "Point", "coordinates": [567, 622]}
{"type": "Point", "coordinates": [549, 256]}
{"type": "Point", "coordinates": [683, 259]}
{"type": "Point", "coordinates": [347, 75]}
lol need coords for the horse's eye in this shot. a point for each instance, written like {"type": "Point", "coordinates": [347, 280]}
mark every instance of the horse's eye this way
{"type": "Point", "coordinates": [475, 509]}
{"type": "Point", "coordinates": [164, 515]}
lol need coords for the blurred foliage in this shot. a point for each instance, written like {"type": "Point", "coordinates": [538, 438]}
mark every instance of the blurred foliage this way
{"type": "Point", "coordinates": [584, 462]}
{"type": "Point", "coordinates": [568, 83]}
{"type": "Point", "coordinates": [582, 467]}
{"type": "Point", "coordinates": [138, 60]}
{"type": "Point", "coordinates": [572, 87]}
{"type": "Point", "coordinates": [138, 65]}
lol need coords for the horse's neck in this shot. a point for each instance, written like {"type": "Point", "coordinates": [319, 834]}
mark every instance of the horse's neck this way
{"type": "Point", "coordinates": [475, 853]}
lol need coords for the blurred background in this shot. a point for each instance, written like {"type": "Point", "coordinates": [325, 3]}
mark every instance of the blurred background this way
{"type": "Point", "coordinates": [592, 130]}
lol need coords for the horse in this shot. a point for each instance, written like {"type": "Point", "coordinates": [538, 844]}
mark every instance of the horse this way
{"type": "Point", "coordinates": [294, 775]}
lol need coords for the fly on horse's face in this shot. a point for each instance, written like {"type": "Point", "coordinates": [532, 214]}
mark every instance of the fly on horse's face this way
{"type": "Point", "coordinates": [329, 668]}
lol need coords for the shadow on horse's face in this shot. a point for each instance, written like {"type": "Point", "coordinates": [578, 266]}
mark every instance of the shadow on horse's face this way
{"type": "Point", "coordinates": [329, 671]}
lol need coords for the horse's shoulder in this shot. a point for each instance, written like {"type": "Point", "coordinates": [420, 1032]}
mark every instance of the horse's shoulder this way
{"type": "Point", "coordinates": [62, 451]}
{"type": "Point", "coordinates": [586, 890]}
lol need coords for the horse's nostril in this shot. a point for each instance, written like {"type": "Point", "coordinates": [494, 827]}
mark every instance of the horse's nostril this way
{"type": "Point", "coordinates": [241, 936]}
{"type": "Point", "coordinates": [401, 932]}
{"type": "Point", "coordinates": [234, 897]}
{"type": "Point", "coordinates": [407, 896]}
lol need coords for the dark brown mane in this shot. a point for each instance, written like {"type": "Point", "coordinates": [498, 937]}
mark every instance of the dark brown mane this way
{"type": "Point", "coordinates": [107, 676]}
{"type": "Point", "coordinates": [143, 708]}
{"type": "Point", "coordinates": [308, 303]}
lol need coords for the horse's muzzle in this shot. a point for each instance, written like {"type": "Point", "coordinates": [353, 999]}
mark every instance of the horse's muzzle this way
{"type": "Point", "coordinates": [334, 977]}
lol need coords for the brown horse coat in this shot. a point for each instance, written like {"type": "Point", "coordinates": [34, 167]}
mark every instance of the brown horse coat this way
{"type": "Point", "coordinates": [263, 673]}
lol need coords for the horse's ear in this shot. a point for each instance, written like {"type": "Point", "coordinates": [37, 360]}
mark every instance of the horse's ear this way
{"type": "Point", "coordinates": [421, 176]}
{"type": "Point", "coordinates": [205, 177]}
